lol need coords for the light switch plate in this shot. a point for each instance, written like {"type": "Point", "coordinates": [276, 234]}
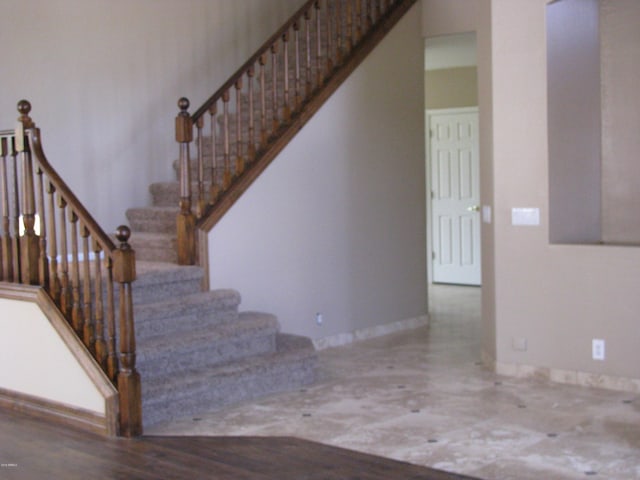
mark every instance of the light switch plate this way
{"type": "Point", "coordinates": [525, 216]}
{"type": "Point", "coordinates": [486, 213]}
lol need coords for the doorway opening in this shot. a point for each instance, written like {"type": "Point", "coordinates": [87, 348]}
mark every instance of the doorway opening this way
{"type": "Point", "coordinates": [452, 160]}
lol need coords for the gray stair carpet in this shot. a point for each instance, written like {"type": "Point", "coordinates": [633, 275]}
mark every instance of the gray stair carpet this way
{"type": "Point", "coordinates": [196, 351]}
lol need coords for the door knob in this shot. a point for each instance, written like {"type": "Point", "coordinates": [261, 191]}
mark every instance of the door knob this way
{"type": "Point", "coordinates": [473, 208]}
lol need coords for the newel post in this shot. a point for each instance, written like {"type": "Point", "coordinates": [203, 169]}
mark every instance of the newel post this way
{"type": "Point", "coordinates": [186, 221]}
{"type": "Point", "coordinates": [129, 387]}
{"type": "Point", "coordinates": [29, 241]}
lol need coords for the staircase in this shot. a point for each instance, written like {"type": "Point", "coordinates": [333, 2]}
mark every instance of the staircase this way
{"type": "Point", "coordinates": [196, 352]}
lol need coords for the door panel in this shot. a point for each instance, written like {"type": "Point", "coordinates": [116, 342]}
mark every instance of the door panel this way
{"type": "Point", "coordinates": [455, 171]}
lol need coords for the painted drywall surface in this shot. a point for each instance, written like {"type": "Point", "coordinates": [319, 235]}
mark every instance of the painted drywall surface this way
{"type": "Point", "coordinates": [557, 297]}
{"type": "Point", "coordinates": [575, 151]}
{"type": "Point", "coordinates": [336, 224]}
{"type": "Point", "coordinates": [446, 17]}
{"type": "Point", "coordinates": [104, 76]}
{"type": "Point", "coordinates": [620, 34]}
{"type": "Point", "coordinates": [26, 338]}
{"type": "Point", "coordinates": [451, 87]}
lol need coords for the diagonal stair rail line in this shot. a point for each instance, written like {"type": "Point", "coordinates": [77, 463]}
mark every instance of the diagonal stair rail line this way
{"type": "Point", "coordinates": [49, 239]}
{"type": "Point", "coordinates": [242, 127]}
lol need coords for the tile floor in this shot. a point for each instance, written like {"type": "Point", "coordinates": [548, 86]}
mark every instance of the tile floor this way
{"type": "Point", "coordinates": [422, 396]}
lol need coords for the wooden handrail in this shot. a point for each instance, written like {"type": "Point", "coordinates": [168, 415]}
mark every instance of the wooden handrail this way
{"type": "Point", "coordinates": [274, 93]}
{"type": "Point", "coordinates": [49, 239]}
{"type": "Point", "coordinates": [266, 46]}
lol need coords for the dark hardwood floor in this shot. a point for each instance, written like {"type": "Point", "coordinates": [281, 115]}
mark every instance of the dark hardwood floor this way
{"type": "Point", "coordinates": [32, 448]}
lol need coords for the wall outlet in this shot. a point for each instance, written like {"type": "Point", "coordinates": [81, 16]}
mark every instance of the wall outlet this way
{"type": "Point", "coordinates": [597, 347]}
{"type": "Point", "coordinates": [519, 344]}
{"type": "Point", "coordinates": [319, 319]}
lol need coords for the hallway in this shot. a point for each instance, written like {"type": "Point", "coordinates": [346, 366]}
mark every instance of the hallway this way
{"type": "Point", "coordinates": [422, 396]}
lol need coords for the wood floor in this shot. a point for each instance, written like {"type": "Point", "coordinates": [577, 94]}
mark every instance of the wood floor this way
{"type": "Point", "coordinates": [35, 449]}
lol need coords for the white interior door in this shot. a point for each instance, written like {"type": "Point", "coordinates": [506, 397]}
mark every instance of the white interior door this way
{"type": "Point", "coordinates": [455, 196]}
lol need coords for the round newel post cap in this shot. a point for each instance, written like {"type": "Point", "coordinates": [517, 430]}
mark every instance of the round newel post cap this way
{"type": "Point", "coordinates": [24, 108]}
{"type": "Point", "coordinates": [183, 104]}
{"type": "Point", "coordinates": [123, 233]}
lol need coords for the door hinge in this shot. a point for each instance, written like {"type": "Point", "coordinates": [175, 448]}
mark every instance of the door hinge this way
{"type": "Point", "coordinates": [433, 255]}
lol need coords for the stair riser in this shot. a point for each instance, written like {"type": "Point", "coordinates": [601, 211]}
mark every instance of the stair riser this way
{"type": "Point", "coordinates": [149, 221]}
{"type": "Point", "coordinates": [155, 293]}
{"type": "Point", "coordinates": [176, 360]}
{"type": "Point", "coordinates": [183, 322]}
{"type": "Point", "coordinates": [160, 254]}
{"type": "Point", "coordinates": [217, 392]}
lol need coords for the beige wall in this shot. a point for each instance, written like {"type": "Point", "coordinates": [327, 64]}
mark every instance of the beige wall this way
{"type": "Point", "coordinates": [557, 297]}
{"type": "Point", "coordinates": [336, 224]}
{"type": "Point", "coordinates": [451, 87]}
{"type": "Point", "coordinates": [104, 77]}
{"type": "Point", "coordinates": [24, 330]}
{"type": "Point", "coordinates": [620, 120]}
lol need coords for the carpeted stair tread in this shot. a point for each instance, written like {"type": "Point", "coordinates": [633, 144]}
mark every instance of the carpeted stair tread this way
{"type": "Point", "coordinates": [157, 281]}
{"type": "Point", "coordinates": [263, 324]}
{"type": "Point", "coordinates": [186, 312]}
{"type": "Point", "coordinates": [252, 334]}
{"type": "Point", "coordinates": [153, 219]}
{"type": "Point", "coordinates": [209, 388]}
{"type": "Point", "coordinates": [157, 247]}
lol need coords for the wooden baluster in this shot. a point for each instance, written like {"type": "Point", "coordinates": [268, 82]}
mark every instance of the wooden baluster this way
{"type": "Point", "coordinates": [307, 23]}
{"type": "Point", "coordinates": [318, 45]}
{"type": "Point", "coordinates": [329, 21]}
{"type": "Point", "coordinates": [88, 333]}
{"type": "Point", "coordinates": [368, 15]}
{"type": "Point", "coordinates": [274, 88]}
{"type": "Point", "coordinates": [378, 10]}
{"type": "Point", "coordinates": [100, 344]}
{"type": "Point", "coordinates": [5, 246]}
{"type": "Point", "coordinates": [54, 281]}
{"type": "Point", "coordinates": [43, 262]}
{"type": "Point", "coordinates": [252, 132]}
{"type": "Point", "coordinates": [239, 157]}
{"type": "Point", "coordinates": [129, 387]}
{"type": "Point", "coordinates": [29, 242]}
{"type": "Point", "coordinates": [349, 26]}
{"type": "Point", "coordinates": [112, 357]}
{"type": "Point", "coordinates": [15, 216]}
{"type": "Point", "coordinates": [185, 221]}
{"type": "Point", "coordinates": [358, 14]}
{"type": "Point", "coordinates": [65, 289]}
{"type": "Point", "coordinates": [200, 203]}
{"type": "Point", "coordinates": [349, 45]}
{"type": "Point", "coordinates": [226, 182]}
{"type": "Point", "coordinates": [296, 39]}
{"type": "Point", "coordinates": [286, 113]}
{"type": "Point", "coordinates": [339, 33]}
{"type": "Point", "coordinates": [76, 310]}
{"type": "Point", "coordinates": [215, 186]}
{"type": "Point", "coordinates": [263, 101]}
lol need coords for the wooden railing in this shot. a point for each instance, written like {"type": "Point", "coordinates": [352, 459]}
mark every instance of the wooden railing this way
{"type": "Point", "coordinates": [48, 239]}
{"type": "Point", "coordinates": [243, 126]}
